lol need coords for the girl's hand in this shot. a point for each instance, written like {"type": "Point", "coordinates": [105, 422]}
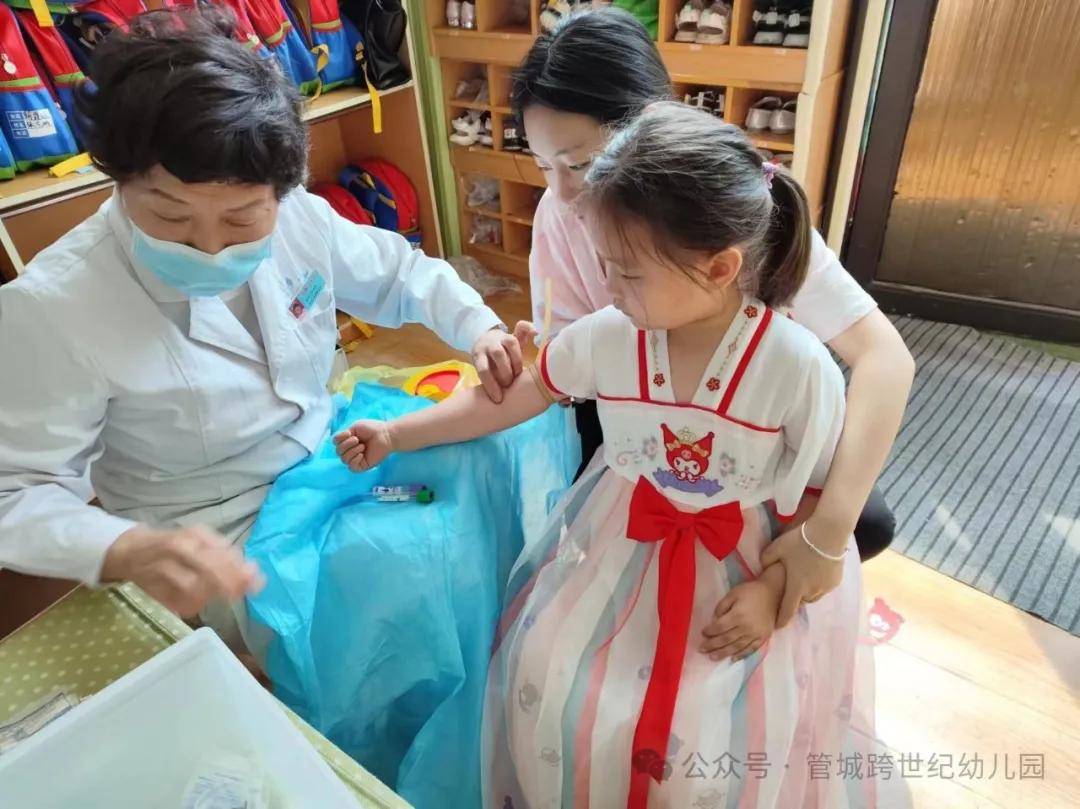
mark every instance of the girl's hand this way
{"type": "Point", "coordinates": [744, 621]}
{"type": "Point", "coordinates": [364, 445]}
{"type": "Point", "coordinates": [809, 576]}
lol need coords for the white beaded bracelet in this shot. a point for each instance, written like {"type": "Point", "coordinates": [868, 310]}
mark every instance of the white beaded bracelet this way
{"type": "Point", "coordinates": [816, 549]}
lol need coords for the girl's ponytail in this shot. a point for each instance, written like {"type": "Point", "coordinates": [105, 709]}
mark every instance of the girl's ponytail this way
{"type": "Point", "coordinates": [785, 266]}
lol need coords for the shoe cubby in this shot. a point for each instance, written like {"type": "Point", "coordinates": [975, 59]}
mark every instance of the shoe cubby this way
{"type": "Point", "coordinates": [519, 201]}
{"type": "Point", "coordinates": [742, 72]}
{"type": "Point", "coordinates": [710, 98]}
{"type": "Point", "coordinates": [507, 16]}
{"type": "Point", "coordinates": [740, 103]}
{"type": "Point", "coordinates": [501, 80]}
{"type": "Point", "coordinates": [517, 239]}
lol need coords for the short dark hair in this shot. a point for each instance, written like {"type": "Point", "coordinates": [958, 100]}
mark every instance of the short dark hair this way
{"type": "Point", "coordinates": [699, 185]}
{"type": "Point", "coordinates": [177, 89]}
{"type": "Point", "coordinates": [601, 63]}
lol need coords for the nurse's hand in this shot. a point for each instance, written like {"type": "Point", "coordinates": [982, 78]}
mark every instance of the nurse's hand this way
{"type": "Point", "coordinates": [184, 569]}
{"type": "Point", "coordinates": [364, 445]}
{"type": "Point", "coordinates": [497, 357]}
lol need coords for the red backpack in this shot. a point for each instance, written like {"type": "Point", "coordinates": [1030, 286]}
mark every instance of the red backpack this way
{"type": "Point", "coordinates": [344, 203]}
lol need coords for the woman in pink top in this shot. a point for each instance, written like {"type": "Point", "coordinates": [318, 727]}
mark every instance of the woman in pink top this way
{"type": "Point", "coordinates": [575, 85]}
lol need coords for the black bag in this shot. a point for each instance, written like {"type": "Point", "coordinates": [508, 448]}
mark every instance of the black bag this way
{"type": "Point", "coordinates": [382, 25]}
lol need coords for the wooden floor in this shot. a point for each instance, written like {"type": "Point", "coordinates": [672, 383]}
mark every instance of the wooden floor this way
{"type": "Point", "coordinates": [965, 675]}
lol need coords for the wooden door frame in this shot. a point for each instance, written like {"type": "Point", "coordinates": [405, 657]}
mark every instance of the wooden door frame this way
{"type": "Point", "coordinates": [906, 43]}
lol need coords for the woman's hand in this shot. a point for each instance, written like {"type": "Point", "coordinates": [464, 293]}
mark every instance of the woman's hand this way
{"type": "Point", "coordinates": [497, 357]}
{"type": "Point", "coordinates": [364, 445]}
{"type": "Point", "coordinates": [809, 575]}
{"type": "Point", "coordinates": [184, 569]}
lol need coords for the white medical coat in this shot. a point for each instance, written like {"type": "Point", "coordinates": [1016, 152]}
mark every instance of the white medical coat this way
{"type": "Point", "coordinates": [167, 409]}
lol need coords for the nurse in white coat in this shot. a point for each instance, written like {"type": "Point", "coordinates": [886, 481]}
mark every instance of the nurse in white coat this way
{"type": "Point", "coordinates": [170, 355]}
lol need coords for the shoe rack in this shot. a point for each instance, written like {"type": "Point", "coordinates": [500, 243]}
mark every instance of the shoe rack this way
{"type": "Point", "coordinates": [743, 72]}
{"type": "Point", "coordinates": [36, 208]}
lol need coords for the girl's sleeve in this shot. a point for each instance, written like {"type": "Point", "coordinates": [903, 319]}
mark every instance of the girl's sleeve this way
{"type": "Point", "coordinates": [811, 431]}
{"type": "Point", "coordinates": [566, 363]}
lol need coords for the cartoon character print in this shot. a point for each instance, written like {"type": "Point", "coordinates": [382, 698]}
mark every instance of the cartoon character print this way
{"type": "Point", "coordinates": [687, 456]}
{"type": "Point", "coordinates": [688, 460]}
{"type": "Point", "coordinates": [884, 622]}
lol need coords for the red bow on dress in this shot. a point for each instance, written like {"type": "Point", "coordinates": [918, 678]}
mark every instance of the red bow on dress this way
{"type": "Point", "coordinates": [653, 518]}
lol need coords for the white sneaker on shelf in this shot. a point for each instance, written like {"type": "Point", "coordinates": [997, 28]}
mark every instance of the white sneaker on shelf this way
{"type": "Point", "coordinates": [466, 129]}
{"type": "Point", "coordinates": [714, 27]}
{"type": "Point", "coordinates": [686, 21]}
{"type": "Point", "coordinates": [468, 15]}
{"type": "Point", "coordinates": [783, 120]}
{"type": "Point", "coordinates": [770, 26]}
{"type": "Point", "coordinates": [797, 29]}
{"type": "Point", "coordinates": [453, 13]}
{"type": "Point", "coordinates": [552, 12]}
{"type": "Point", "coordinates": [760, 114]}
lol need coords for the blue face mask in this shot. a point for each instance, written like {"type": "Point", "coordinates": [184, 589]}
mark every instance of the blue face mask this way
{"type": "Point", "coordinates": [195, 273]}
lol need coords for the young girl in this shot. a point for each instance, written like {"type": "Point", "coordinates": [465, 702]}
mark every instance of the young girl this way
{"type": "Point", "coordinates": [717, 413]}
{"type": "Point", "coordinates": [576, 84]}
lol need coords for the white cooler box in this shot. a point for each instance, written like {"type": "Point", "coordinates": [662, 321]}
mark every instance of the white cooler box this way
{"type": "Point", "coordinates": [144, 741]}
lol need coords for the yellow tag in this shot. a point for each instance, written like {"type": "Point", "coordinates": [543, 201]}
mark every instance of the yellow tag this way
{"type": "Point", "coordinates": [41, 13]}
{"type": "Point", "coordinates": [376, 102]}
{"type": "Point", "coordinates": [75, 163]}
{"type": "Point", "coordinates": [322, 56]}
{"type": "Point", "coordinates": [547, 314]}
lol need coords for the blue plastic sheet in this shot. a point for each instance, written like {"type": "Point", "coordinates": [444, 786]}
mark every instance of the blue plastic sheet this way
{"type": "Point", "coordinates": [382, 615]}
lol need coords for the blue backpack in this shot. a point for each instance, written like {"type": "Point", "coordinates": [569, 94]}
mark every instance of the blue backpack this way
{"type": "Point", "coordinates": [30, 120]}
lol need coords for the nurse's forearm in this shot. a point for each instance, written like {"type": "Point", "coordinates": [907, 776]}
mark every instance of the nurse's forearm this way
{"type": "Point", "coordinates": [468, 415]}
{"type": "Point", "coordinates": [881, 374]}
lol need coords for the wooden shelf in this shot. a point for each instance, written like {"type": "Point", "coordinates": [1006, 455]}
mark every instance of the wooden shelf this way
{"type": "Point", "coordinates": [513, 166]}
{"type": "Point", "coordinates": [344, 100]}
{"type": "Point", "coordinates": [727, 64]}
{"type": "Point", "coordinates": [38, 186]}
{"type": "Point", "coordinates": [743, 71]}
{"type": "Point", "coordinates": [490, 213]}
{"type": "Point", "coordinates": [765, 139]}
{"type": "Point", "coordinates": [481, 46]}
{"type": "Point", "coordinates": [498, 260]}
{"type": "Point", "coordinates": [470, 105]}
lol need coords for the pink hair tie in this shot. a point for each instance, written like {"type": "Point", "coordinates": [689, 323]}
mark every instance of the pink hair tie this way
{"type": "Point", "coordinates": [769, 170]}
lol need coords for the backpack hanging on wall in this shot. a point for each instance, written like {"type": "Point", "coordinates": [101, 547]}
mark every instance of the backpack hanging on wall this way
{"type": "Point", "coordinates": [332, 38]}
{"type": "Point", "coordinates": [30, 120]}
{"type": "Point", "coordinates": [381, 24]}
{"type": "Point", "coordinates": [285, 42]}
{"type": "Point", "coordinates": [7, 160]}
{"type": "Point", "coordinates": [85, 24]}
{"type": "Point", "coordinates": [244, 29]}
{"type": "Point", "coordinates": [55, 65]}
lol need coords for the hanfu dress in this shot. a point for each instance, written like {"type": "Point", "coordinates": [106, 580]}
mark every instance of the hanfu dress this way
{"type": "Point", "coordinates": [598, 695]}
